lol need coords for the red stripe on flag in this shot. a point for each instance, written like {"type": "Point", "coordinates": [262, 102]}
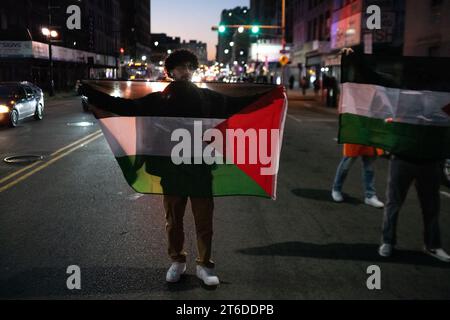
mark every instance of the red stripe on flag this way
{"type": "Point", "coordinates": [266, 113]}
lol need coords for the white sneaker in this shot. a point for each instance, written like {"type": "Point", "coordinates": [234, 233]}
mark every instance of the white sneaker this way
{"type": "Point", "coordinates": [175, 272]}
{"type": "Point", "coordinates": [385, 250]}
{"type": "Point", "coordinates": [438, 254]}
{"type": "Point", "coordinates": [374, 202]}
{"type": "Point", "coordinates": [207, 276]}
{"type": "Point", "coordinates": [337, 196]}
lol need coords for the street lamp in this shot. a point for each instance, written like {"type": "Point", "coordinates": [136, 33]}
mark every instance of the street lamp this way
{"type": "Point", "coordinates": [49, 34]}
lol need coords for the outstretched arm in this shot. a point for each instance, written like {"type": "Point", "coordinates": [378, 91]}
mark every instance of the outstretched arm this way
{"type": "Point", "coordinates": [146, 106]}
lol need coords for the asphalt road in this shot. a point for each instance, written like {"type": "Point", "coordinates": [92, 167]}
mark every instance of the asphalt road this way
{"type": "Point", "coordinates": [75, 208]}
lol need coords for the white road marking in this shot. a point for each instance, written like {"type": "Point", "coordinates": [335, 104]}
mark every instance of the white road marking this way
{"type": "Point", "coordinates": [46, 164]}
{"type": "Point", "coordinates": [294, 118]}
{"type": "Point", "coordinates": [313, 120]}
{"type": "Point", "coordinates": [135, 196]}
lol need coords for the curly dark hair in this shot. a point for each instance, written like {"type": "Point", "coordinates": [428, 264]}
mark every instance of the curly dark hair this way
{"type": "Point", "coordinates": [181, 57]}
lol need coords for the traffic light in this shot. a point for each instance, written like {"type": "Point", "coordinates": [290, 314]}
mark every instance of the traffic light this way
{"type": "Point", "coordinates": [122, 50]}
{"type": "Point", "coordinates": [222, 29]}
{"type": "Point", "coordinates": [255, 29]}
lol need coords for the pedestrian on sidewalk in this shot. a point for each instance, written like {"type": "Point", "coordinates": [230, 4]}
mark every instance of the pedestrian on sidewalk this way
{"type": "Point", "coordinates": [368, 155]}
{"type": "Point", "coordinates": [426, 174]}
{"type": "Point", "coordinates": [332, 92]}
{"type": "Point", "coordinates": [316, 87]}
{"type": "Point", "coordinates": [304, 85]}
{"type": "Point", "coordinates": [291, 82]}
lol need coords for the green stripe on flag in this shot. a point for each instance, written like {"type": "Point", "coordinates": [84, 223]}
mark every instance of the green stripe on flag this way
{"type": "Point", "coordinates": [158, 175]}
{"type": "Point", "coordinates": [415, 141]}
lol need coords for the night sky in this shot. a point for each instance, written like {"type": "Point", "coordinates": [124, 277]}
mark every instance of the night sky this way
{"type": "Point", "coordinates": [191, 19]}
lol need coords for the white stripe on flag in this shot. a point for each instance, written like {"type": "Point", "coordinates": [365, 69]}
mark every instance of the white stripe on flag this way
{"type": "Point", "coordinates": [130, 136]}
{"type": "Point", "coordinates": [405, 106]}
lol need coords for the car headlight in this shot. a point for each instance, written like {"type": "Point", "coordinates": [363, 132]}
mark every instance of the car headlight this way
{"type": "Point", "coordinates": [4, 109]}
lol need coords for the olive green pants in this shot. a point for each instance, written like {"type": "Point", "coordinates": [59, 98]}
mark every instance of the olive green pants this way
{"type": "Point", "coordinates": [202, 209]}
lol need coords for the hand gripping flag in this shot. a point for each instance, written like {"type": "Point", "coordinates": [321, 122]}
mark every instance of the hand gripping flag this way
{"type": "Point", "coordinates": [399, 104]}
{"type": "Point", "coordinates": [447, 109]}
{"type": "Point", "coordinates": [189, 139]}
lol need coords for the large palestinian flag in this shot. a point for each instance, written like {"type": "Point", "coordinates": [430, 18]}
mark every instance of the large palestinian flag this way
{"type": "Point", "coordinates": [190, 139]}
{"type": "Point", "coordinates": [399, 104]}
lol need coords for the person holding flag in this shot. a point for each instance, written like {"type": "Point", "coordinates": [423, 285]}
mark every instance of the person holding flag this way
{"type": "Point", "coordinates": [141, 131]}
{"type": "Point", "coordinates": [403, 171]}
{"type": "Point", "coordinates": [368, 155]}
{"type": "Point", "coordinates": [400, 104]}
{"type": "Point", "coordinates": [427, 176]}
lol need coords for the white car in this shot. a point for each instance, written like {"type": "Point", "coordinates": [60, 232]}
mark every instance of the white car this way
{"type": "Point", "coordinates": [20, 100]}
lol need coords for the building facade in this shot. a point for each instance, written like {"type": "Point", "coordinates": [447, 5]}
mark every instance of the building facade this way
{"type": "Point", "coordinates": [311, 37]}
{"type": "Point", "coordinates": [323, 28]}
{"type": "Point", "coordinates": [266, 49]}
{"type": "Point", "coordinates": [136, 28]}
{"type": "Point", "coordinates": [232, 44]}
{"type": "Point", "coordinates": [92, 52]}
{"type": "Point", "coordinates": [163, 45]}
{"type": "Point", "coordinates": [427, 34]}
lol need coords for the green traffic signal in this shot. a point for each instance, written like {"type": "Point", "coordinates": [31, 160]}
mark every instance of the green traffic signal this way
{"type": "Point", "coordinates": [222, 29]}
{"type": "Point", "coordinates": [255, 29]}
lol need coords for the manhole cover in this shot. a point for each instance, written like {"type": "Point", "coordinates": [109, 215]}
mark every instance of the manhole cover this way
{"type": "Point", "coordinates": [23, 159]}
{"type": "Point", "coordinates": [80, 124]}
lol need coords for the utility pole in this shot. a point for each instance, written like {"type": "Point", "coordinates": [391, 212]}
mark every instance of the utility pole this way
{"type": "Point", "coordinates": [283, 24]}
{"type": "Point", "coordinates": [50, 52]}
{"type": "Point", "coordinates": [283, 39]}
{"type": "Point", "coordinates": [117, 51]}
{"type": "Point", "coordinates": [51, 34]}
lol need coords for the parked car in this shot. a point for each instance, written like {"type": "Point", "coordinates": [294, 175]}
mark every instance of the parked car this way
{"type": "Point", "coordinates": [446, 173]}
{"type": "Point", "coordinates": [20, 100]}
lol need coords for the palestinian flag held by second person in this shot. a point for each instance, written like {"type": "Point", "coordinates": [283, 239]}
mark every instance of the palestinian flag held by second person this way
{"type": "Point", "coordinates": [399, 104]}
{"type": "Point", "coordinates": [187, 139]}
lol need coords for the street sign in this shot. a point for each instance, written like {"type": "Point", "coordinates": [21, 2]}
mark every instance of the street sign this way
{"type": "Point", "coordinates": [284, 60]}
